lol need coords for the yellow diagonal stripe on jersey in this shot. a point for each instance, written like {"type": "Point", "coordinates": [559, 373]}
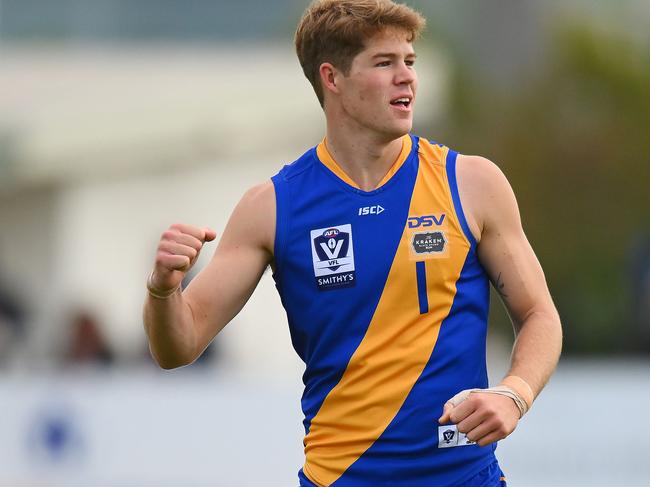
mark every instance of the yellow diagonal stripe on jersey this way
{"type": "Point", "coordinates": [398, 341]}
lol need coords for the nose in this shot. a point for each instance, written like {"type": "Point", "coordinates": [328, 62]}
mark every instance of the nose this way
{"type": "Point", "coordinates": [405, 74]}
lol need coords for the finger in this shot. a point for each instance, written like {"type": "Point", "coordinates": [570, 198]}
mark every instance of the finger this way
{"type": "Point", "coordinates": [489, 438]}
{"type": "Point", "coordinates": [462, 411]}
{"type": "Point", "coordinates": [471, 422]}
{"type": "Point", "coordinates": [191, 230]}
{"type": "Point", "coordinates": [183, 238]}
{"type": "Point", "coordinates": [175, 248]}
{"type": "Point", "coordinates": [446, 410]}
{"type": "Point", "coordinates": [167, 263]}
{"type": "Point", "coordinates": [210, 234]}
{"type": "Point", "coordinates": [455, 401]}
{"type": "Point", "coordinates": [482, 429]}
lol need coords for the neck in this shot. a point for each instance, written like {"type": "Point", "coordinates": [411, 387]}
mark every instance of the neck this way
{"type": "Point", "coordinates": [365, 158]}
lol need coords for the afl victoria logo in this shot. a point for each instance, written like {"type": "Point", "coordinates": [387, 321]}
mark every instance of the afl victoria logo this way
{"type": "Point", "coordinates": [448, 435]}
{"type": "Point", "coordinates": [333, 257]}
{"type": "Point", "coordinates": [332, 245]}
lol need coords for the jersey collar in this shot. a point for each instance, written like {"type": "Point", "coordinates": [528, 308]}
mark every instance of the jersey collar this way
{"type": "Point", "coordinates": [328, 161]}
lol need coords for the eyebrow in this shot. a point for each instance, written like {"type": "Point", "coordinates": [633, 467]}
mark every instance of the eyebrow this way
{"type": "Point", "coordinates": [393, 55]}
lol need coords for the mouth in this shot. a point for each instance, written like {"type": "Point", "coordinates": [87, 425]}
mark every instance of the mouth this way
{"type": "Point", "coordinates": [402, 103]}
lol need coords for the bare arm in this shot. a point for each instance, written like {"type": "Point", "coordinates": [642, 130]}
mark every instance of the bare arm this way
{"type": "Point", "coordinates": [181, 326]}
{"type": "Point", "coordinates": [517, 275]}
{"type": "Point", "coordinates": [515, 272]}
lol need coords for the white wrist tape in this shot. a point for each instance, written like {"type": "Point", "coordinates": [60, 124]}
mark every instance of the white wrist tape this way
{"type": "Point", "coordinates": [521, 387]}
{"type": "Point", "coordinates": [508, 392]}
{"type": "Point", "coordinates": [502, 390]}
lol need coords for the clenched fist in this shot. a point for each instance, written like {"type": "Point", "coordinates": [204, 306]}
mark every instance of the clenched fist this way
{"type": "Point", "coordinates": [178, 249]}
{"type": "Point", "coordinates": [485, 415]}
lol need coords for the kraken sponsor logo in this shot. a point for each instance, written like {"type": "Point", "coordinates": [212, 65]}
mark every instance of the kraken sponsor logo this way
{"type": "Point", "coordinates": [428, 242]}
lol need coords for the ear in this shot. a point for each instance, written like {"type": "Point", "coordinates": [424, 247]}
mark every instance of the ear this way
{"type": "Point", "coordinates": [329, 76]}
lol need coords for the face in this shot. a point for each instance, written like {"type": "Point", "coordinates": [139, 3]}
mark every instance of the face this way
{"type": "Point", "coordinates": [378, 93]}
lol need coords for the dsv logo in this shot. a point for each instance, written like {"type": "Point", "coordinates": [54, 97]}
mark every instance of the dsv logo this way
{"type": "Point", "coordinates": [425, 221]}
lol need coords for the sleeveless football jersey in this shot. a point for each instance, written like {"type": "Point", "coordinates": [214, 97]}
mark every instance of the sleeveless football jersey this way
{"type": "Point", "coordinates": [387, 306]}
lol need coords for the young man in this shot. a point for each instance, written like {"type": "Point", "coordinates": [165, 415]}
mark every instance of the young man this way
{"type": "Point", "coordinates": [382, 245]}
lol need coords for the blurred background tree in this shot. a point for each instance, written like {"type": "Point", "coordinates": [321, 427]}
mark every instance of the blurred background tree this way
{"type": "Point", "coordinates": [573, 141]}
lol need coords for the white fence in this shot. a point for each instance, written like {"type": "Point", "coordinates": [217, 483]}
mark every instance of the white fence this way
{"type": "Point", "coordinates": [193, 428]}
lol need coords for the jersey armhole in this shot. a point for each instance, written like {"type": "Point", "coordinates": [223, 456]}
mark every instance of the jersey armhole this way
{"type": "Point", "coordinates": [281, 224]}
{"type": "Point", "coordinates": [455, 196]}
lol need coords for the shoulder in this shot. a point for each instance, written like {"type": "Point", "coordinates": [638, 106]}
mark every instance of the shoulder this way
{"type": "Point", "coordinates": [297, 167]}
{"type": "Point", "coordinates": [484, 192]}
{"type": "Point", "coordinates": [255, 213]}
{"type": "Point", "coordinates": [480, 171]}
{"type": "Point", "coordinates": [260, 193]}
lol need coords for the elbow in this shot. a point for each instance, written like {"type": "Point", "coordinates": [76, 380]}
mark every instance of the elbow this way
{"type": "Point", "coordinates": [173, 364]}
{"type": "Point", "coordinates": [171, 361]}
{"type": "Point", "coordinates": [549, 318]}
{"type": "Point", "coordinates": [170, 364]}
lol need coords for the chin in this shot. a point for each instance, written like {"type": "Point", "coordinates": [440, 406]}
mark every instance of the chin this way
{"type": "Point", "coordinates": [392, 130]}
{"type": "Point", "coordinates": [398, 130]}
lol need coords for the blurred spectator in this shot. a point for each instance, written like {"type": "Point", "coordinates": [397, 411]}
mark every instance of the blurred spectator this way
{"type": "Point", "coordinates": [12, 324]}
{"type": "Point", "coordinates": [87, 345]}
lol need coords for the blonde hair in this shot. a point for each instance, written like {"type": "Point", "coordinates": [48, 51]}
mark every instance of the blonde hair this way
{"type": "Point", "coordinates": [335, 31]}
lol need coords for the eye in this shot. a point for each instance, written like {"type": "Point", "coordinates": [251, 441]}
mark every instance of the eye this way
{"type": "Point", "coordinates": [410, 62]}
{"type": "Point", "coordinates": [382, 64]}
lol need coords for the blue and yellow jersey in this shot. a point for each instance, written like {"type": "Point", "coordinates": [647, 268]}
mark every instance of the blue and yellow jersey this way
{"type": "Point", "coordinates": [387, 306]}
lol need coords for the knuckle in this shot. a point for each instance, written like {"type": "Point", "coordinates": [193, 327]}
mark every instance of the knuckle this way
{"type": "Point", "coordinates": [496, 425]}
{"type": "Point", "coordinates": [479, 398]}
{"type": "Point", "coordinates": [168, 235]}
{"type": "Point", "coordinates": [197, 244]}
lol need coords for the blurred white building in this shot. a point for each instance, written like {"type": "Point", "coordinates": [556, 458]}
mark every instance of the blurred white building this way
{"type": "Point", "coordinates": [107, 146]}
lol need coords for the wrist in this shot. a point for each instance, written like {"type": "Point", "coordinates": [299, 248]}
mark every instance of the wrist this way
{"type": "Point", "coordinates": [521, 388]}
{"type": "Point", "coordinates": [157, 293]}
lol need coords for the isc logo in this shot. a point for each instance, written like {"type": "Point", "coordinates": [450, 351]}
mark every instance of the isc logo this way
{"type": "Point", "coordinates": [425, 221]}
{"type": "Point", "coordinates": [371, 210]}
